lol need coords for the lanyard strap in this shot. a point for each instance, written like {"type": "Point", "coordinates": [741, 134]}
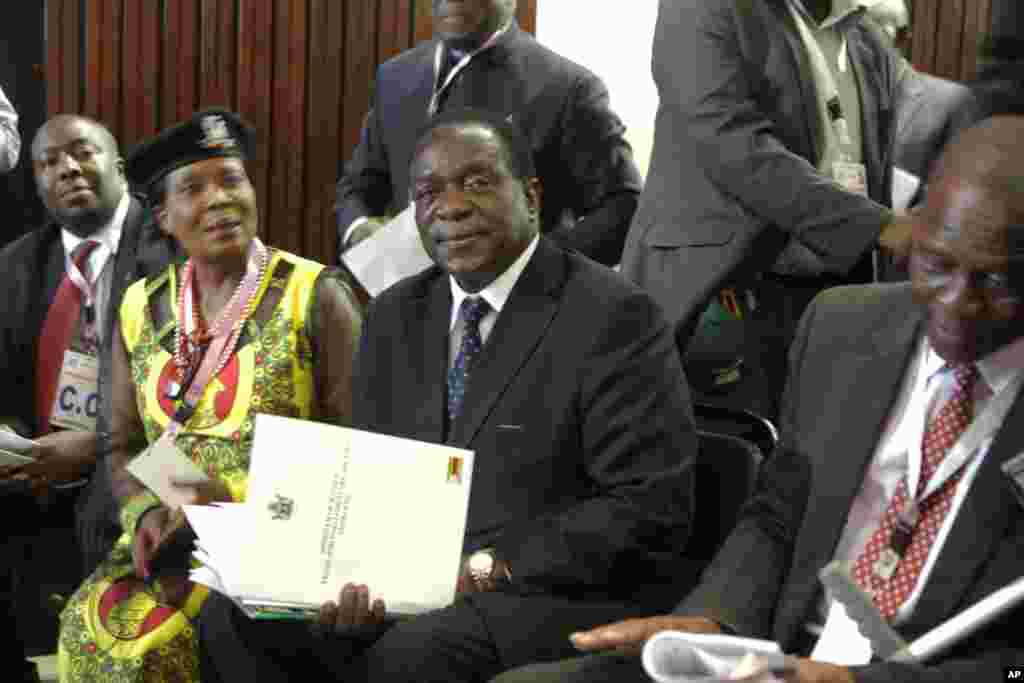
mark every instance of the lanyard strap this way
{"type": "Point", "coordinates": [966, 447]}
{"type": "Point", "coordinates": [440, 88]}
{"type": "Point", "coordinates": [834, 106]}
{"type": "Point", "coordinates": [78, 278]}
{"type": "Point", "coordinates": [225, 342]}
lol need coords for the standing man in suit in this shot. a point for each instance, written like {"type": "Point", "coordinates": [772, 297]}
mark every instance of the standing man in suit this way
{"type": "Point", "coordinates": [64, 285]}
{"type": "Point", "coordinates": [908, 387]}
{"type": "Point", "coordinates": [770, 168]}
{"type": "Point", "coordinates": [564, 380]}
{"type": "Point", "coordinates": [482, 59]}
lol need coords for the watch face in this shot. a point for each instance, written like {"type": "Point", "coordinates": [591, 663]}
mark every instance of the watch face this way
{"type": "Point", "coordinates": [481, 564]}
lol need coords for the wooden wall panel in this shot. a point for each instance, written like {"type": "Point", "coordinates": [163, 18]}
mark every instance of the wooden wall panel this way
{"type": "Point", "coordinates": [946, 35]}
{"type": "Point", "coordinates": [300, 71]}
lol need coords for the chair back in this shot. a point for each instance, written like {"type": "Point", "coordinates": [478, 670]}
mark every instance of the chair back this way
{"type": "Point", "coordinates": [727, 468]}
{"type": "Point", "coordinates": [745, 424]}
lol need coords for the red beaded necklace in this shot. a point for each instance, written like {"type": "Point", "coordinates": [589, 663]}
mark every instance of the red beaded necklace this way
{"type": "Point", "coordinates": [229, 322]}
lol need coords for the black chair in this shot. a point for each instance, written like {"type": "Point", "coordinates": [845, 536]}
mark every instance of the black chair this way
{"type": "Point", "coordinates": [745, 424]}
{"type": "Point", "coordinates": [727, 468]}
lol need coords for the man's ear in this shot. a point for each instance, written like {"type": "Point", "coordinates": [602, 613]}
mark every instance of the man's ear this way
{"type": "Point", "coordinates": [160, 214]}
{"type": "Point", "coordinates": [534, 192]}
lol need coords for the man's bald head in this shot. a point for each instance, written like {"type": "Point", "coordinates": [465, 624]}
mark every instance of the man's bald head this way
{"type": "Point", "coordinates": [967, 262]}
{"type": "Point", "coordinates": [989, 155]}
{"type": "Point", "coordinates": [103, 134]}
{"type": "Point", "coordinates": [79, 172]}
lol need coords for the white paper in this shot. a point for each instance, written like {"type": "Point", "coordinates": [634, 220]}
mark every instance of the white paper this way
{"type": "Point", "coordinates": [159, 465]}
{"type": "Point", "coordinates": [11, 441]}
{"type": "Point", "coordinates": [841, 642]}
{"type": "Point", "coordinates": [680, 657]}
{"type": "Point", "coordinates": [391, 254]}
{"type": "Point", "coordinates": [904, 187]}
{"type": "Point", "coordinates": [326, 506]}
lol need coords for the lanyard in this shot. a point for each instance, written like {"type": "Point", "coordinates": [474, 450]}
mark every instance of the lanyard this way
{"type": "Point", "coordinates": [440, 88]}
{"type": "Point", "coordinates": [223, 345]}
{"type": "Point", "coordinates": [87, 288]}
{"type": "Point", "coordinates": [834, 106]}
{"type": "Point", "coordinates": [966, 447]}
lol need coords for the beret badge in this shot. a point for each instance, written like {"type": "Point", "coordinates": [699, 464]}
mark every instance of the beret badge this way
{"type": "Point", "coordinates": [215, 133]}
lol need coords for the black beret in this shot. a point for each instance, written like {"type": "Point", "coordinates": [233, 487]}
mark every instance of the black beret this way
{"type": "Point", "coordinates": [213, 132]}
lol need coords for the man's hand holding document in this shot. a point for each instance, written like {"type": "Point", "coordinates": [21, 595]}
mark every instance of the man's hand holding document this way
{"type": "Point", "coordinates": [680, 657]}
{"type": "Point", "coordinates": [328, 506]}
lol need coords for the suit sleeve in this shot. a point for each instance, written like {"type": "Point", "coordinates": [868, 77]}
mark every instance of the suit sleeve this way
{"type": "Point", "coordinates": [638, 450]}
{"type": "Point", "coordinates": [10, 138]}
{"type": "Point", "coordinates": [364, 188]}
{"type": "Point", "coordinates": [742, 584]}
{"type": "Point", "coordinates": [703, 78]}
{"type": "Point", "coordinates": [602, 174]}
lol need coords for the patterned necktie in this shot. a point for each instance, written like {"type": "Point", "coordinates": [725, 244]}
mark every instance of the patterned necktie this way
{"type": "Point", "coordinates": [471, 312]}
{"type": "Point", "coordinates": [58, 331]}
{"type": "Point", "coordinates": [943, 431]}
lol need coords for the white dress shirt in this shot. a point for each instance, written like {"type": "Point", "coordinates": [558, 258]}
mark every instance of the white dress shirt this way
{"type": "Point", "coordinates": [495, 294]}
{"type": "Point", "coordinates": [926, 384]}
{"type": "Point", "coordinates": [99, 268]}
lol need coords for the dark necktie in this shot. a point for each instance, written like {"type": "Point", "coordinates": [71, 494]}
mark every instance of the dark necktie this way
{"type": "Point", "coordinates": [58, 330]}
{"type": "Point", "coordinates": [471, 312]}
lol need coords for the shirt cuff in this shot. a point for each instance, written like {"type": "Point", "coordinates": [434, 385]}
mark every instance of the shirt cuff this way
{"type": "Point", "coordinates": [348, 231]}
{"type": "Point", "coordinates": [134, 508]}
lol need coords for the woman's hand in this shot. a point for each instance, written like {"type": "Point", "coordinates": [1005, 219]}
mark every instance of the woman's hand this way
{"type": "Point", "coordinates": [204, 492]}
{"type": "Point", "coordinates": [154, 526]}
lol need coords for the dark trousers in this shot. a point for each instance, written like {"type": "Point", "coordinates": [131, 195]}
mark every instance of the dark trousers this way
{"type": "Point", "coordinates": [16, 506]}
{"type": "Point", "coordinates": [472, 640]}
{"type": "Point", "coordinates": [603, 668]}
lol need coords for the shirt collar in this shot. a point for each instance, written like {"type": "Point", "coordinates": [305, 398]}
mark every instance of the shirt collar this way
{"type": "Point", "coordinates": [841, 9]}
{"type": "Point", "coordinates": [109, 235]}
{"type": "Point", "coordinates": [997, 369]}
{"type": "Point", "coordinates": [498, 292]}
{"type": "Point", "coordinates": [457, 54]}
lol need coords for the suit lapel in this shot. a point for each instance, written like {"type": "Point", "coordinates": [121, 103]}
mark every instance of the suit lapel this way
{"type": "Point", "coordinates": [866, 383]}
{"type": "Point", "coordinates": [520, 327]}
{"type": "Point", "coordinates": [875, 113]}
{"type": "Point", "coordinates": [484, 82]}
{"type": "Point", "coordinates": [804, 78]}
{"type": "Point", "coordinates": [124, 263]}
{"type": "Point", "coordinates": [418, 98]}
{"type": "Point", "coordinates": [980, 524]}
{"type": "Point", "coordinates": [425, 336]}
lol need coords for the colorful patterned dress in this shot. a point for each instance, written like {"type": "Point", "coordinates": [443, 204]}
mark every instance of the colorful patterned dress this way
{"type": "Point", "coordinates": [115, 628]}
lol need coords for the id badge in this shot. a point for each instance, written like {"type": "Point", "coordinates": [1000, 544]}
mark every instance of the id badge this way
{"type": "Point", "coordinates": [78, 401]}
{"type": "Point", "coordinates": [852, 177]}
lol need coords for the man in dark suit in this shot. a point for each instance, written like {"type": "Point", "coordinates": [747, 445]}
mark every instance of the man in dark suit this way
{"type": "Point", "coordinates": [745, 187]}
{"type": "Point", "coordinates": [79, 176]}
{"type": "Point", "coordinates": [480, 58]}
{"type": "Point", "coordinates": [562, 378]}
{"type": "Point", "coordinates": [884, 380]}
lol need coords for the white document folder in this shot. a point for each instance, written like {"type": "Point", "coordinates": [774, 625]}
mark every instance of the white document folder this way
{"type": "Point", "coordinates": [328, 505]}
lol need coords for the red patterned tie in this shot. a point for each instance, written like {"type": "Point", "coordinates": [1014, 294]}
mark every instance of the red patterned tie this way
{"type": "Point", "coordinates": [944, 428]}
{"type": "Point", "coordinates": [58, 331]}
